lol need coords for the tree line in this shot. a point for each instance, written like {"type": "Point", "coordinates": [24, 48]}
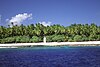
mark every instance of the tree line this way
{"type": "Point", "coordinates": [54, 33]}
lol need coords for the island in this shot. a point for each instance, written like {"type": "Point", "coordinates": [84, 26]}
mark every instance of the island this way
{"type": "Point", "coordinates": [53, 35]}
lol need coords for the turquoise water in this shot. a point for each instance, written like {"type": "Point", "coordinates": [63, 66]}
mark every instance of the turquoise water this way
{"type": "Point", "coordinates": [50, 57]}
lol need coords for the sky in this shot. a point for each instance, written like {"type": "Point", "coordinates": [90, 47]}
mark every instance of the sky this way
{"type": "Point", "coordinates": [63, 12]}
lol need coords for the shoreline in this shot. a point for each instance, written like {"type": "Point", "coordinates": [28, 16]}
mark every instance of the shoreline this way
{"type": "Point", "coordinates": [16, 45]}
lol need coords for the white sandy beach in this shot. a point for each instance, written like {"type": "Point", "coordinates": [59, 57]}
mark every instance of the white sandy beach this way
{"type": "Point", "coordinates": [88, 43]}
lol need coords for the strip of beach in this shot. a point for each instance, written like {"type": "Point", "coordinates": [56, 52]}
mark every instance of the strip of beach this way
{"type": "Point", "coordinates": [15, 45]}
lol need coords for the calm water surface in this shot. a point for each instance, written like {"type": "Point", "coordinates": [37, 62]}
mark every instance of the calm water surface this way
{"type": "Point", "coordinates": [50, 57]}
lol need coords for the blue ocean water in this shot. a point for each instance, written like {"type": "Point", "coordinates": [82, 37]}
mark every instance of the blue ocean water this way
{"type": "Point", "coordinates": [50, 57]}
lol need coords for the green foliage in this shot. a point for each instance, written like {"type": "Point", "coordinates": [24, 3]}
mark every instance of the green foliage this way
{"type": "Point", "coordinates": [7, 40]}
{"type": "Point", "coordinates": [35, 39]}
{"type": "Point", "coordinates": [56, 32]}
{"type": "Point", "coordinates": [55, 38]}
{"type": "Point", "coordinates": [84, 38]}
{"type": "Point", "coordinates": [98, 37]}
{"type": "Point", "coordinates": [77, 38]}
{"type": "Point", "coordinates": [58, 38]}
{"type": "Point", "coordinates": [70, 40]}
{"type": "Point", "coordinates": [49, 38]}
{"type": "Point", "coordinates": [24, 39]}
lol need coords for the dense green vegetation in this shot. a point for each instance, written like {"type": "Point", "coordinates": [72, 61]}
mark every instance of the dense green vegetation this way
{"type": "Point", "coordinates": [57, 33]}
